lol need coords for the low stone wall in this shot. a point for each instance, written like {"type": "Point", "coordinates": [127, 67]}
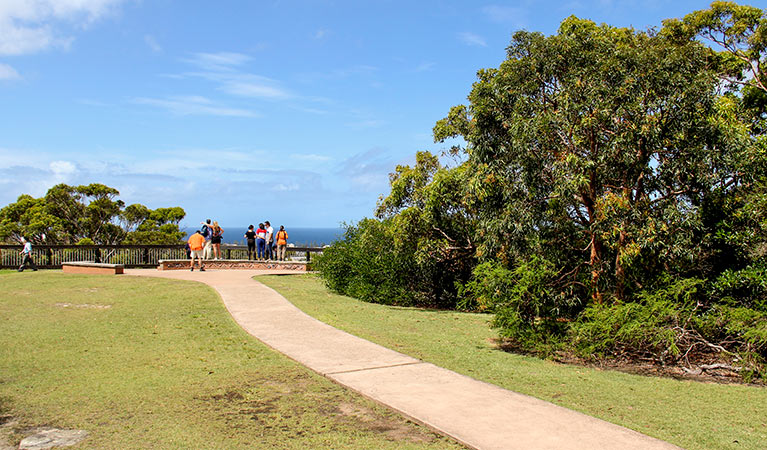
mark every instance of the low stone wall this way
{"type": "Point", "coordinates": [229, 264]}
{"type": "Point", "coordinates": [92, 267]}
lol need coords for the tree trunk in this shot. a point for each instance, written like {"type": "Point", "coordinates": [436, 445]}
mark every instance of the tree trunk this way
{"type": "Point", "coordinates": [595, 258]}
{"type": "Point", "coordinates": [620, 271]}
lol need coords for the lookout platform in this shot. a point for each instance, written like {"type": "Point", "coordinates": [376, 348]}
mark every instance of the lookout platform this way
{"type": "Point", "coordinates": [230, 264]}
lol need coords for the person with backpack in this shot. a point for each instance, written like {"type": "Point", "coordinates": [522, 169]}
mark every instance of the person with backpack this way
{"type": "Point", "coordinates": [282, 243]}
{"type": "Point", "coordinates": [207, 233]}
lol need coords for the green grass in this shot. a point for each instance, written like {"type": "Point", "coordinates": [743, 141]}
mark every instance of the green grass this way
{"type": "Point", "coordinates": [693, 415]}
{"type": "Point", "coordinates": [151, 363]}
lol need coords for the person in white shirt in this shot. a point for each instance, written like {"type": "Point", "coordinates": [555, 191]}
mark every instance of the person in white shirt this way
{"type": "Point", "coordinates": [269, 241]}
{"type": "Point", "coordinates": [27, 258]}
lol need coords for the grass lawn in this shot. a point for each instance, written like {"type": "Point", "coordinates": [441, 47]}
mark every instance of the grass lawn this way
{"type": "Point", "coordinates": [151, 363]}
{"type": "Point", "coordinates": [693, 415]}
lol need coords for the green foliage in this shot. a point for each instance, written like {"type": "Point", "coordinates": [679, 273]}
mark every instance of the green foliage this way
{"type": "Point", "coordinates": [671, 324]}
{"type": "Point", "coordinates": [158, 227]}
{"type": "Point", "coordinates": [649, 326]}
{"type": "Point", "coordinates": [739, 30]}
{"type": "Point", "coordinates": [569, 136]}
{"type": "Point", "coordinates": [420, 250]}
{"type": "Point", "coordinates": [89, 213]}
{"type": "Point", "coordinates": [610, 191]}
{"type": "Point", "coordinates": [29, 217]}
{"type": "Point", "coordinates": [526, 307]}
{"type": "Point", "coordinates": [366, 264]}
{"type": "Point", "coordinates": [746, 287]}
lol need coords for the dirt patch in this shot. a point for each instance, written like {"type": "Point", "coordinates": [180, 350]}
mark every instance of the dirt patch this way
{"type": "Point", "coordinates": [82, 306]}
{"type": "Point", "coordinates": [297, 405]}
{"type": "Point", "coordinates": [716, 371]}
{"type": "Point", "coordinates": [395, 430]}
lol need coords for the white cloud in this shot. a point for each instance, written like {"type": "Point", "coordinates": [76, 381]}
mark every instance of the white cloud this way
{"type": "Point", "coordinates": [321, 33]}
{"type": "Point", "coordinates": [62, 168]}
{"type": "Point", "coordinates": [253, 86]}
{"type": "Point", "coordinates": [31, 26]}
{"type": "Point", "coordinates": [193, 105]}
{"type": "Point", "coordinates": [472, 39]}
{"type": "Point", "coordinates": [311, 157]}
{"type": "Point", "coordinates": [223, 68]}
{"type": "Point", "coordinates": [8, 73]}
{"type": "Point", "coordinates": [221, 61]}
{"type": "Point", "coordinates": [152, 43]}
{"type": "Point", "coordinates": [368, 170]}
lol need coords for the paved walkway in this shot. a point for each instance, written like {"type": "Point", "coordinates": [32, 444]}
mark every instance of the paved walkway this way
{"type": "Point", "coordinates": [477, 414]}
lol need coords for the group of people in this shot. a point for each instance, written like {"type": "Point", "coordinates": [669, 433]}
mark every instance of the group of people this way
{"type": "Point", "coordinates": [263, 243]}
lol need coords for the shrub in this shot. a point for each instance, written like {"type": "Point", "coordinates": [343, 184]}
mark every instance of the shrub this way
{"type": "Point", "coordinates": [366, 265]}
{"type": "Point", "coordinates": [671, 324]}
{"type": "Point", "coordinates": [746, 287]}
{"type": "Point", "coordinates": [527, 310]}
{"type": "Point", "coordinates": [648, 327]}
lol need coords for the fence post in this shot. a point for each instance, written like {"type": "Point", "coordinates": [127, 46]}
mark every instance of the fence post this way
{"type": "Point", "coordinates": [98, 255]}
{"type": "Point", "coordinates": [146, 255]}
{"type": "Point", "coordinates": [48, 257]}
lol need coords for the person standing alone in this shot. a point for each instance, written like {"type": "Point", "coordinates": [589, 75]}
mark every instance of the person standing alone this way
{"type": "Point", "coordinates": [282, 243]}
{"type": "Point", "coordinates": [196, 244]}
{"type": "Point", "coordinates": [27, 258]}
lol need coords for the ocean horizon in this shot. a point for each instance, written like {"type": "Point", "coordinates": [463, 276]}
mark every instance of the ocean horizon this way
{"type": "Point", "coordinates": [298, 236]}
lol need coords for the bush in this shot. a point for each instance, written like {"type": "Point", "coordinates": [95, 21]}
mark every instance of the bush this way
{"type": "Point", "coordinates": [671, 325]}
{"type": "Point", "coordinates": [648, 327]}
{"type": "Point", "coordinates": [746, 287]}
{"type": "Point", "coordinates": [526, 309]}
{"type": "Point", "coordinates": [366, 265]}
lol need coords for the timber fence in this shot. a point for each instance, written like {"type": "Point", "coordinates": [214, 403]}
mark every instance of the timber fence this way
{"type": "Point", "coordinates": [136, 256]}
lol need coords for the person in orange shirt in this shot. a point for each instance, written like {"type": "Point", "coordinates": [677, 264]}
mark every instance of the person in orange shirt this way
{"type": "Point", "coordinates": [196, 244]}
{"type": "Point", "coordinates": [282, 243]}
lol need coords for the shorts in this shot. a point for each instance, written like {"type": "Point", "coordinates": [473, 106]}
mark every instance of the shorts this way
{"type": "Point", "coordinates": [196, 253]}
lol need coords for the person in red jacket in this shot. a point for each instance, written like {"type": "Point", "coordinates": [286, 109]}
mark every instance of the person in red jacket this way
{"type": "Point", "coordinates": [196, 244]}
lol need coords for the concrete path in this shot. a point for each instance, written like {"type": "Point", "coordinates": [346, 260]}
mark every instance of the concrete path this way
{"type": "Point", "coordinates": [477, 414]}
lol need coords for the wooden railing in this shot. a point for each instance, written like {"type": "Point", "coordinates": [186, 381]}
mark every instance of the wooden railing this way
{"type": "Point", "coordinates": [52, 256]}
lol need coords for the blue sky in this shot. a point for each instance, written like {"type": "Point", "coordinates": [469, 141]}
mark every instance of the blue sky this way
{"type": "Point", "coordinates": [242, 111]}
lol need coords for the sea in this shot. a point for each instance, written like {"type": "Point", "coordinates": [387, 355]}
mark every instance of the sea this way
{"type": "Point", "coordinates": [300, 237]}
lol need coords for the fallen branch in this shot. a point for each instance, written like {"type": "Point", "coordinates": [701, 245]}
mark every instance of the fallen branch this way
{"type": "Point", "coordinates": [720, 366]}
